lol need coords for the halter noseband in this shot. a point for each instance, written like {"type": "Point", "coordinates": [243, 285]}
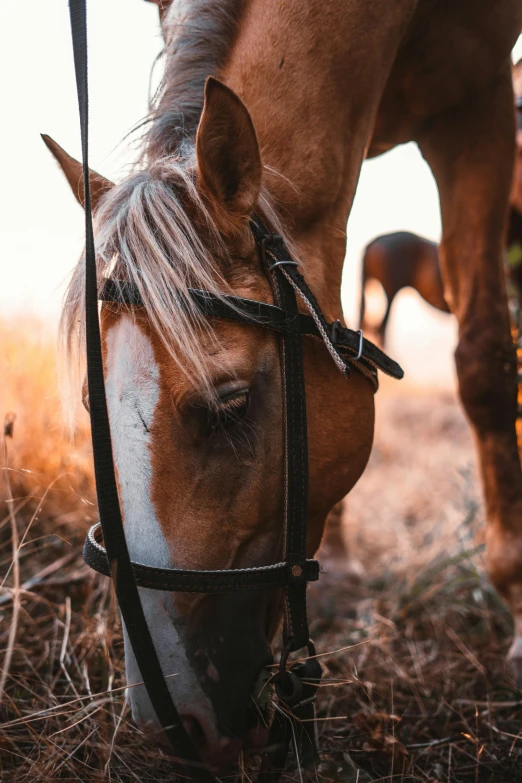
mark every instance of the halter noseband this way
{"type": "Point", "coordinates": [105, 548]}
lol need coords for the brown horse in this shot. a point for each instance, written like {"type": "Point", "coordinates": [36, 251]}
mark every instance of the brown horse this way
{"type": "Point", "coordinates": [403, 260]}
{"type": "Point", "coordinates": [195, 407]}
{"type": "Point", "coordinates": [398, 261]}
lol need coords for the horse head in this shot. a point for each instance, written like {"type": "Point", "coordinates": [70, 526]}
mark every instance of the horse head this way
{"type": "Point", "coordinates": [196, 416]}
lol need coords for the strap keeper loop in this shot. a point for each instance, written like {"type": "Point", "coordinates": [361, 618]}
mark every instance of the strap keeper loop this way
{"type": "Point", "coordinates": [268, 239]}
{"type": "Point", "coordinates": [334, 331]}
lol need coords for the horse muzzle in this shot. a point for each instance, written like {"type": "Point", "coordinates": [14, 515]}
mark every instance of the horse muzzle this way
{"type": "Point", "coordinates": [214, 662]}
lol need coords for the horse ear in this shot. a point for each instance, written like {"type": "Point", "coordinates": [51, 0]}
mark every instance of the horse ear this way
{"type": "Point", "coordinates": [228, 156]}
{"type": "Point", "coordinates": [74, 173]}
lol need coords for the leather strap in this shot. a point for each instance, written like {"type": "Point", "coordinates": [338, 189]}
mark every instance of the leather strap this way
{"type": "Point", "coordinates": [108, 502]}
{"type": "Point", "coordinates": [231, 580]}
{"type": "Point", "coordinates": [235, 308]}
{"type": "Point", "coordinates": [295, 630]}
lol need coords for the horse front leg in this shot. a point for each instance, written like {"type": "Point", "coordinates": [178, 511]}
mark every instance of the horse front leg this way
{"type": "Point", "coordinates": [471, 150]}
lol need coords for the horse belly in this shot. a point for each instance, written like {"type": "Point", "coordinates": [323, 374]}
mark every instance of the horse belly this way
{"type": "Point", "coordinates": [451, 51]}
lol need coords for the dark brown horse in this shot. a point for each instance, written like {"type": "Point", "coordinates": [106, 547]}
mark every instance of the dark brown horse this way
{"type": "Point", "coordinates": [398, 261]}
{"type": "Point", "coordinates": [301, 92]}
{"type": "Point", "coordinates": [405, 260]}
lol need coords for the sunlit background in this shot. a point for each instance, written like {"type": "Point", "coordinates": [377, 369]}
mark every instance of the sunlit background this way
{"type": "Point", "coordinates": [42, 226]}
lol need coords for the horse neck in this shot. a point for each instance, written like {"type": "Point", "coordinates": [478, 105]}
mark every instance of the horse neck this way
{"type": "Point", "coordinates": [301, 114]}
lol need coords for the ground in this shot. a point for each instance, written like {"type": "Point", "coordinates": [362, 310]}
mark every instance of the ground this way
{"type": "Point", "coordinates": [412, 636]}
{"type": "Point", "coordinates": [427, 696]}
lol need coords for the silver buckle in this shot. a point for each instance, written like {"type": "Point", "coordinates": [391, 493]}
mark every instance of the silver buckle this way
{"type": "Point", "coordinates": [361, 338]}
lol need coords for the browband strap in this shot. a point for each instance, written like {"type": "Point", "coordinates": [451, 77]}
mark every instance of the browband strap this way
{"type": "Point", "coordinates": [235, 308]}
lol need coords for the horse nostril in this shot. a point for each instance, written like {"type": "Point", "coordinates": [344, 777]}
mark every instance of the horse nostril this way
{"type": "Point", "coordinates": [216, 750]}
{"type": "Point", "coordinates": [195, 731]}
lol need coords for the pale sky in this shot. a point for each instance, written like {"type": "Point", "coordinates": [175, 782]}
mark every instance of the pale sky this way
{"type": "Point", "coordinates": [41, 226]}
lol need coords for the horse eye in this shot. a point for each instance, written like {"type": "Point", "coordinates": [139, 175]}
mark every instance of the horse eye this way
{"type": "Point", "coordinates": [231, 410]}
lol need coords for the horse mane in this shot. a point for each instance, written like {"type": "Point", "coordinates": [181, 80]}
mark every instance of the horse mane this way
{"type": "Point", "coordinates": [144, 234]}
{"type": "Point", "coordinates": [143, 231]}
{"type": "Point", "coordinates": [198, 39]}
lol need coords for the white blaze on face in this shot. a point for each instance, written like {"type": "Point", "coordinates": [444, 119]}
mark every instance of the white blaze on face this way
{"type": "Point", "coordinates": [132, 387]}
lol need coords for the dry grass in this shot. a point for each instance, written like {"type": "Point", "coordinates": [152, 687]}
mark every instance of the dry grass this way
{"type": "Point", "coordinates": [42, 458]}
{"type": "Point", "coordinates": [420, 695]}
{"type": "Point", "coordinates": [429, 697]}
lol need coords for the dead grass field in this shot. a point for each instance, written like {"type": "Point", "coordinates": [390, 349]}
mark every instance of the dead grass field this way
{"type": "Point", "coordinates": [413, 635]}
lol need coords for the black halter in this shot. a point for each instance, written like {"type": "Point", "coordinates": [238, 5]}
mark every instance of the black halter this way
{"type": "Point", "coordinates": [105, 547]}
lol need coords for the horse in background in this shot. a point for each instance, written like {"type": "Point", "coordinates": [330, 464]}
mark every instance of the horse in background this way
{"type": "Point", "coordinates": [405, 260]}
{"type": "Point", "coordinates": [401, 260]}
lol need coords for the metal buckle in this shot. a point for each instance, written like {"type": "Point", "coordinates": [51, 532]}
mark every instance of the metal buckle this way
{"type": "Point", "coordinates": [283, 263]}
{"type": "Point", "coordinates": [289, 686]}
{"type": "Point", "coordinates": [310, 646]}
{"type": "Point", "coordinates": [333, 337]}
{"type": "Point", "coordinates": [361, 338]}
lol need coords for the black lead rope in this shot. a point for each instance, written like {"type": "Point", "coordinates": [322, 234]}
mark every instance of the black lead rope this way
{"type": "Point", "coordinates": [295, 687]}
{"type": "Point", "coordinates": [108, 503]}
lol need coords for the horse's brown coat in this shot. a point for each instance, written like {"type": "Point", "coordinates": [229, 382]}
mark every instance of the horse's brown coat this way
{"type": "Point", "coordinates": [438, 73]}
{"type": "Point", "coordinates": [325, 84]}
{"type": "Point", "coordinates": [402, 259]}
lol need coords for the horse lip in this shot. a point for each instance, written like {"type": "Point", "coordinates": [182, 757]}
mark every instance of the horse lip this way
{"type": "Point", "coordinates": [256, 738]}
{"type": "Point", "coordinates": [219, 757]}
